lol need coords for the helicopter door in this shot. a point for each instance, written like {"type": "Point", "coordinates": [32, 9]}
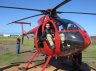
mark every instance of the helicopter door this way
{"type": "Point", "coordinates": [39, 34]}
{"type": "Point", "coordinates": [51, 38]}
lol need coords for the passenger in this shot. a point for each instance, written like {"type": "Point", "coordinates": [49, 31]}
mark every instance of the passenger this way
{"type": "Point", "coordinates": [48, 35]}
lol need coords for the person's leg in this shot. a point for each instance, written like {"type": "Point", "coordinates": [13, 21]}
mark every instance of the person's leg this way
{"type": "Point", "coordinates": [50, 40]}
{"type": "Point", "coordinates": [62, 38]}
{"type": "Point", "coordinates": [17, 48]}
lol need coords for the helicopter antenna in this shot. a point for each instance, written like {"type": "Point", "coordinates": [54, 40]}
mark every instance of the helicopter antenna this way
{"type": "Point", "coordinates": [22, 26]}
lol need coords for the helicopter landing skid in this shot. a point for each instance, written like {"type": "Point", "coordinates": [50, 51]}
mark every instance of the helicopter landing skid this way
{"type": "Point", "coordinates": [29, 62]}
{"type": "Point", "coordinates": [48, 59]}
{"type": "Point", "coordinates": [23, 69]}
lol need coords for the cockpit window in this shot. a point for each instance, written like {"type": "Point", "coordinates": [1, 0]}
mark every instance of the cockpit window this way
{"type": "Point", "coordinates": [61, 27]}
{"type": "Point", "coordinates": [66, 25]}
{"type": "Point", "coordinates": [80, 26]}
{"type": "Point", "coordinates": [72, 27]}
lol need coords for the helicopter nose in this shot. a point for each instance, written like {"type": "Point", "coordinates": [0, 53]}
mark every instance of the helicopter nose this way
{"type": "Point", "coordinates": [86, 39]}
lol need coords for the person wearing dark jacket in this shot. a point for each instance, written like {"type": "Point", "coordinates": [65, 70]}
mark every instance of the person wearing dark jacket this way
{"type": "Point", "coordinates": [18, 41]}
{"type": "Point", "coordinates": [48, 36]}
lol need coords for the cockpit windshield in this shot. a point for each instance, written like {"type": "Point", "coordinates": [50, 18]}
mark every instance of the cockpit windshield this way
{"type": "Point", "coordinates": [63, 24]}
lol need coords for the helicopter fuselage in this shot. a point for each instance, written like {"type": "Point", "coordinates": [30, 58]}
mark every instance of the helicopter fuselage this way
{"type": "Point", "coordinates": [75, 39]}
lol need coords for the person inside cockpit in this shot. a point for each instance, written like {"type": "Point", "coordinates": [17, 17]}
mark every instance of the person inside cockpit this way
{"type": "Point", "coordinates": [48, 35]}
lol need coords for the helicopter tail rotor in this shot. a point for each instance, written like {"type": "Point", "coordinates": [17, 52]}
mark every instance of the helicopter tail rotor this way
{"type": "Point", "coordinates": [22, 38]}
{"type": "Point", "coordinates": [23, 35]}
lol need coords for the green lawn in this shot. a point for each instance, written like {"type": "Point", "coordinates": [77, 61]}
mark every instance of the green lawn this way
{"type": "Point", "coordinates": [8, 57]}
{"type": "Point", "coordinates": [89, 55]}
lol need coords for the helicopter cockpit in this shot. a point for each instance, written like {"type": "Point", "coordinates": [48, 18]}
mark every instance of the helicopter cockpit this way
{"type": "Point", "coordinates": [70, 36]}
{"type": "Point", "coordinates": [64, 24]}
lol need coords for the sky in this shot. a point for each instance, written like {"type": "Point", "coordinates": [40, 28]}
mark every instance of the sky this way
{"type": "Point", "coordinates": [88, 22]}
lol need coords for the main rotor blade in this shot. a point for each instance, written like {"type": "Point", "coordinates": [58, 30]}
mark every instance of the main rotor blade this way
{"type": "Point", "coordinates": [21, 22]}
{"type": "Point", "coordinates": [78, 13]}
{"type": "Point", "coordinates": [26, 18]}
{"type": "Point", "coordinates": [62, 3]}
{"type": "Point", "coordinates": [21, 8]}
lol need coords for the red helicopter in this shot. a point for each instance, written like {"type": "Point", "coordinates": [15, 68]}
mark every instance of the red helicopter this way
{"type": "Point", "coordinates": [75, 38]}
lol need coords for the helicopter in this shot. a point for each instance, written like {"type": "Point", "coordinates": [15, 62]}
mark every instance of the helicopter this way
{"type": "Point", "coordinates": [75, 38]}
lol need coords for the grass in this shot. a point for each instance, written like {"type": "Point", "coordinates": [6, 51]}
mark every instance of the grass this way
{"type": "Point", "coordinates": [7, 40]}
{"type": "Point", "coordinates": [90, 52]}
{"type": "Point", "coordinates": [89, 55]}
{"type": "Point", "coordinates": [7, 58]}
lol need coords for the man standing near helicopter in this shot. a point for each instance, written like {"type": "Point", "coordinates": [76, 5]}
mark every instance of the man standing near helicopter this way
{"type": "Point", "coordinates": [48, 35]}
